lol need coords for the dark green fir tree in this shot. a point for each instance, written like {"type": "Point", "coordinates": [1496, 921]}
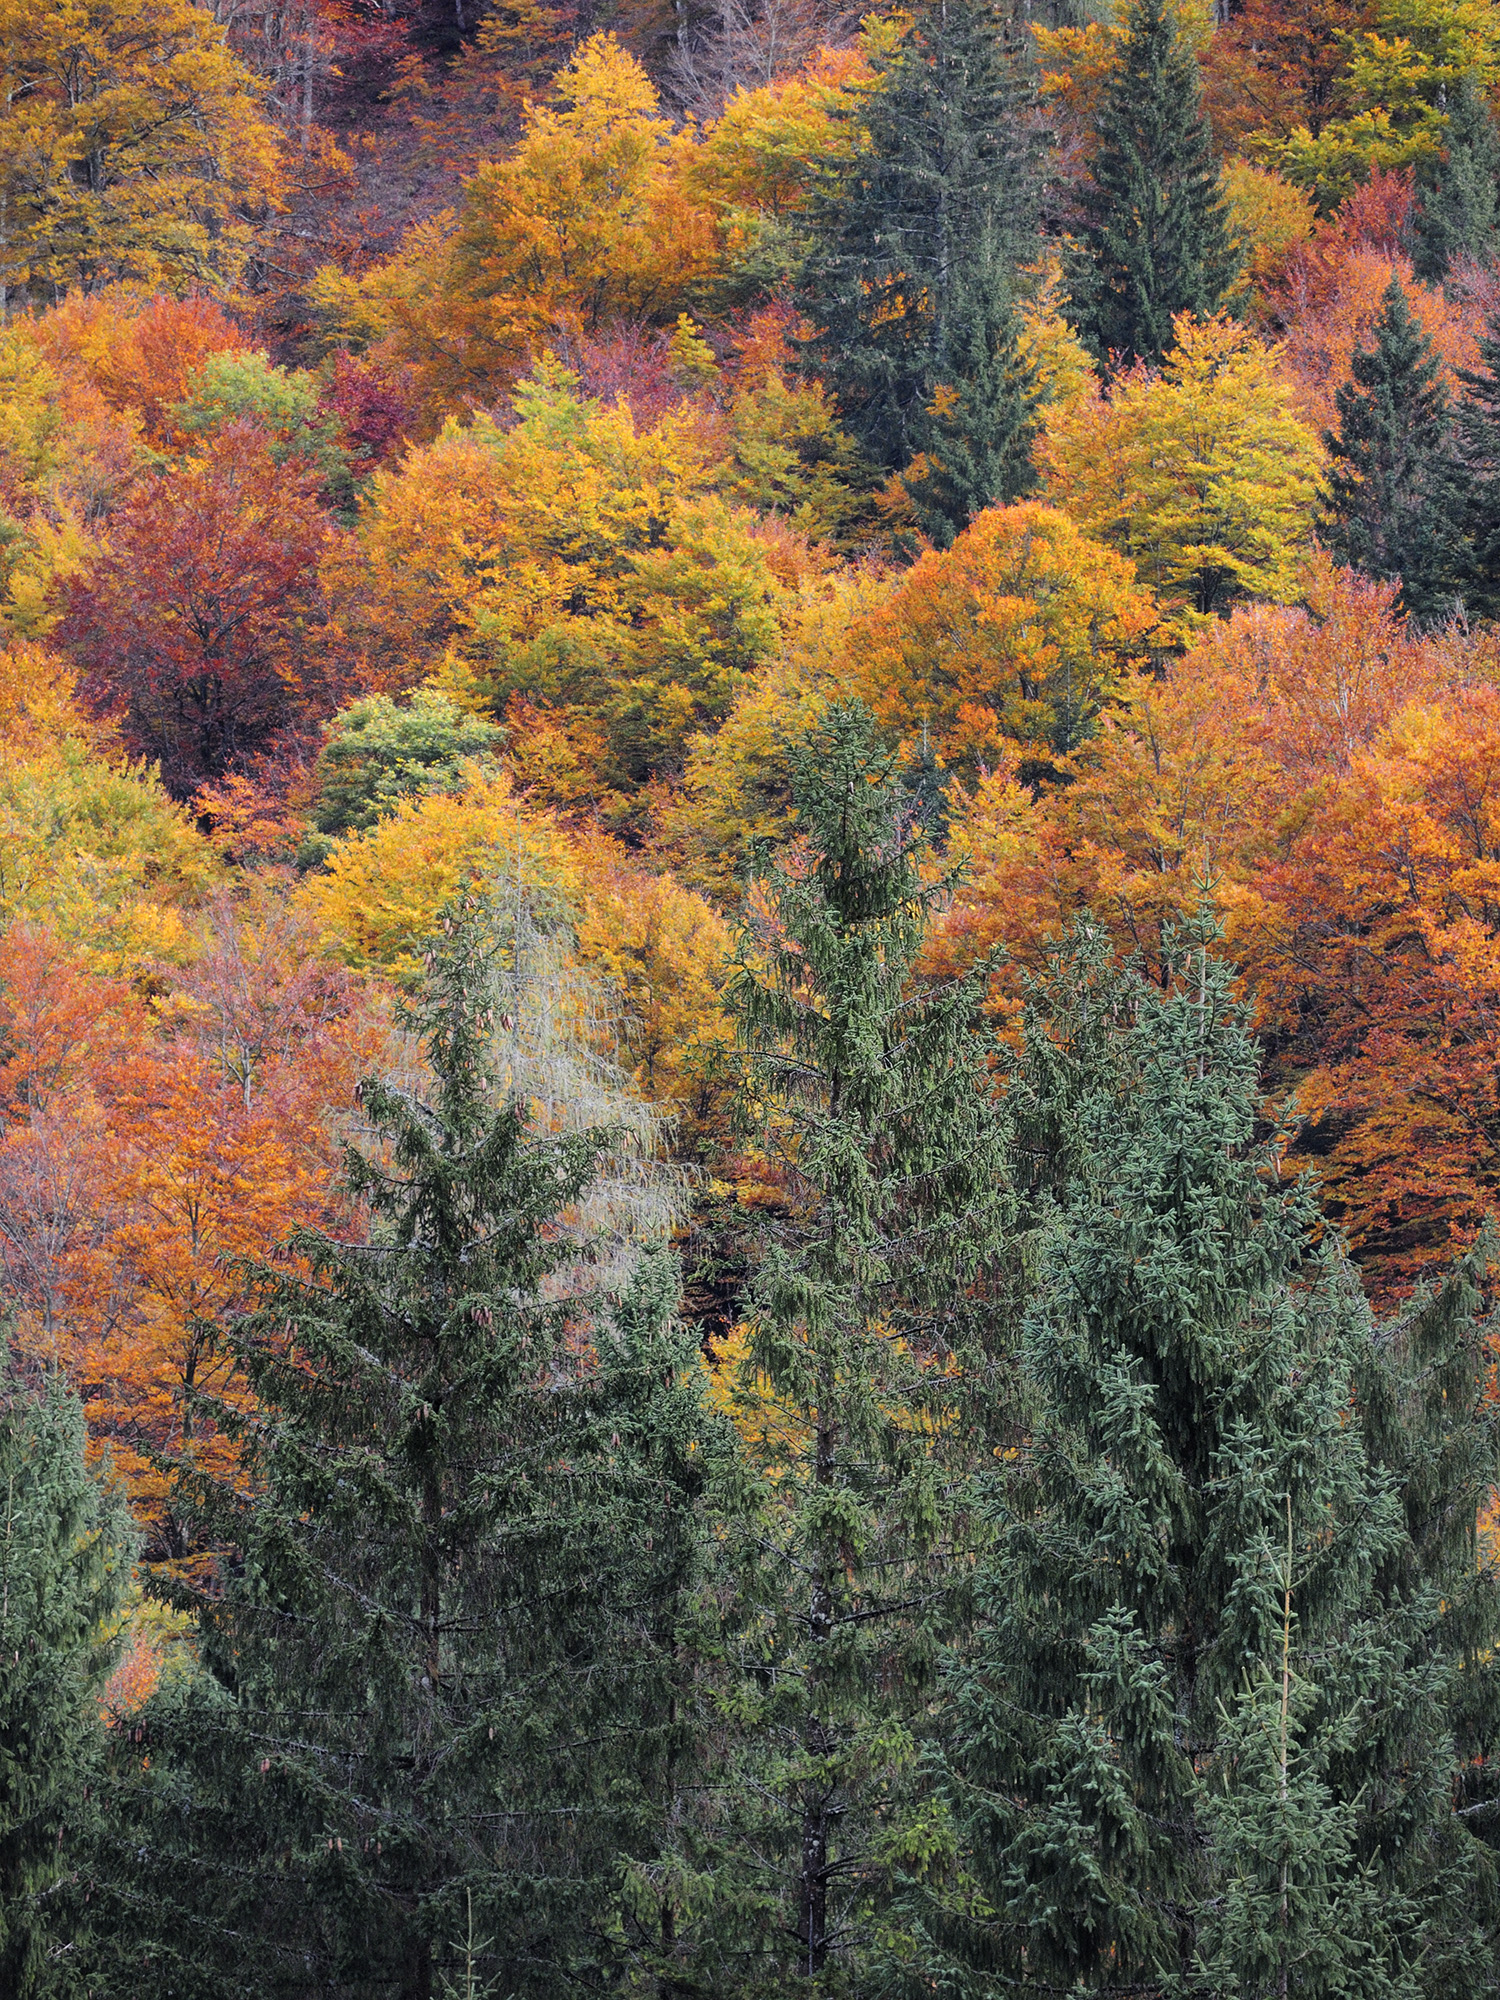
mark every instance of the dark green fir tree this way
{"type": "Point", "coordinates": [1155, 238]}
{"type": "Point", "coordinates": [1432, 1426]}
{"type": "Point", "coordinates": [445, 1703]}
{"type": "Point", "coordinates": [1476, 471]}
{"type": "Point", "coordinates": [65, 1550]}
{"type": "Point", "coordinates": [911, 277]}
{"type": "Point", "coordinates": [870, 1359]}
{"type": "Point", "coordinates": [1393, 507]}
{"type": "Point", "coordinates": [979, 424]}
{"type": "Point", "coordinates": [1208, 1732]}
{"type": "Point", "coordinates": [1459, 208]}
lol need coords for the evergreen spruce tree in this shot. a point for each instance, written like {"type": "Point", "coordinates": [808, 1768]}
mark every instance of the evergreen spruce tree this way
{"type": "Point", "coordinates": [978, 428]}
{"type": "Point", "coordinates": [1476, 472]}
{"type": "Point", "coordinates": [1206, 1736]}
{"type": "Point", "coordinates": [64, 1563]}
{"type": "Point", "coordinates": [1393, 508]}
{"type": "Point", "coordinates": [1460, 190]}
{"type": "Point", "coordinates": [1155, 239]}
{"type": "Point", "coordinates": [910, 280]}
{"type": "Point", "coordinates": [444, 1713]}
{"type": "Point", "coordinates": [871, 1323]}
{"type": "Point", "coordinates": [1432, 1425]}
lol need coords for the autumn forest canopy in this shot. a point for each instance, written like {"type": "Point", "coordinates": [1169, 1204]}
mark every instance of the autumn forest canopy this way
{"type": "Point", "coordinates": [749, 1000]}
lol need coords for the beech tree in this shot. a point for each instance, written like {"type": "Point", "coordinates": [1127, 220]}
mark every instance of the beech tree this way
{"type": "Point", "coordinates": [197, 628]}
{"type": "Point", "coordinates": [131, 146]}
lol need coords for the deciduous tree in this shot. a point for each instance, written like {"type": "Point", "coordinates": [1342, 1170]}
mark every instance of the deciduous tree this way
{"type": "Point", "coordinates": [198, 626]}
{"type": "Point", "coordinates": [131, 146]}
{"type": "Point", "coordinates": [1201, 474]}
{"type": "Point", "coordinates": [1016, 635]}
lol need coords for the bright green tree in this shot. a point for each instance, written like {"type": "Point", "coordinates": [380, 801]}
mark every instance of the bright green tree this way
{"type": "Point", "coordinates": [444, 1709]}
{"type": "Point", "coordinates": [65, 1550]}
{"type": "Point", "coordinates": [378, 752]}
{"type": "Point", "coordinates": [1208, 1733]}
{"type": "Point", "coordinates": [911, 279]}
{"type": "Point", "coordinates": [870, 1311]}
{"type": "Point", "coordinates": [1156, 236]}
{"type": "Point", "coordinates": [1393, 508]}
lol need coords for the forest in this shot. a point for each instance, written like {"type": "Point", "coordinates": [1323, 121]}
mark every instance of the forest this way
{"type": "Point", "coordinates": [749, 999]}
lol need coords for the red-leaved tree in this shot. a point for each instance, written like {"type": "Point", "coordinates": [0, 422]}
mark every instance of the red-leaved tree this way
{"type": "Point", "coordinates": [201, 628]}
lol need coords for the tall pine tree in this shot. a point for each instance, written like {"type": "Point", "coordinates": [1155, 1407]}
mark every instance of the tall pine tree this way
{"type": "Point", "coordinates": [445, 1708]}
{"type": "Point", "coordinates": [1393, 506]}
{"type": "Point", "coordinates": [870, 1357]}
{"type": "Point", "coordinates": [1206, 1737]}
{"type": "Point", "coordinates": [65, 1551]}
{"type": "Point", "coordinates": [1459, 209]}
{"type": "Point", "coordinates": [910, 282]}
{"type": "Point", "coordinates": [1155, 239]}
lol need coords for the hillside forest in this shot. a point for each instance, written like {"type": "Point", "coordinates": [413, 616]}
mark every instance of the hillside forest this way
{"type": "Point", "coordinates": [749, 999]}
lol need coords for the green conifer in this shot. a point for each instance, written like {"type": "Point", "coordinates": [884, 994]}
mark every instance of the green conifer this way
{"type": "Point", "coordinates": [1460, 189]}
{"type": "Point", "coordinates": [978, 428]}
{"type": "Point", "coordinates": [1155, 239]}
{"type": "Point", "coordinates": [64, 1563]}
{"type": "Point", "coordinates": [871, 1316]}
{"type": "Point", "coordinates": [1393, 508]}
{"type": "Point", "coordinates": [1205, 1738]}
{"type": "Point", "coordinates": [910, 281]}
{"type": "Point", "coordinates": [1476, 472]}
{"type": "Point", "coordinates": [443, 1719]}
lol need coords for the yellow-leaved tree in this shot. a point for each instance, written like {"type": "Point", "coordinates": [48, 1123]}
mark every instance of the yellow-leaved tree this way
{"type": "Point", "coordinates": [735, 791]}
{"type": "Point", "coordinates": [586, 223]}
{"type": "Point", "coordinates": [132, 145]}
{"type": "Point", "coordinates": [1201, 474]}
{"type": "Point", "coordinates": [572, 561]}
{"type": "Point", "coordinates": [90, 844]}
{"type": "Point", "coordinates": [658, 950]}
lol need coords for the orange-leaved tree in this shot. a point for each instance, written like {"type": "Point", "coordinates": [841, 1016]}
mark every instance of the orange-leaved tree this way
{"type": "Point", "coordinates": [145, 1160]}
{"type": "Point", "coordinates": [1018, 634]}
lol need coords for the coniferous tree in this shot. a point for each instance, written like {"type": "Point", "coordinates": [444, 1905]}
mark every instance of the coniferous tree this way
{"type": "Point", "coordinates": [910, 281]}
{"type": "Point", "coordinates": [871, 1321]}
{"type": "Point", "coordinates": [1155, 240]}
{"type": "Point", "coordinates": [1207, 1733]}
{"type": "Point", "coordinates": [444, 1713]}
{"type": "Point", "coordinates": [1432, 1425]}
{"type": "Point", "coordinates": [1393, 509]}
{"type": "Point", "coordinates": [978, 428]}
{"type": "Point", "coordinates": [64, 1563]}
{"type": "Point", "coordinates": [1476, 446]}
{"type": "Point", "coordinates": [1460, 189]}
